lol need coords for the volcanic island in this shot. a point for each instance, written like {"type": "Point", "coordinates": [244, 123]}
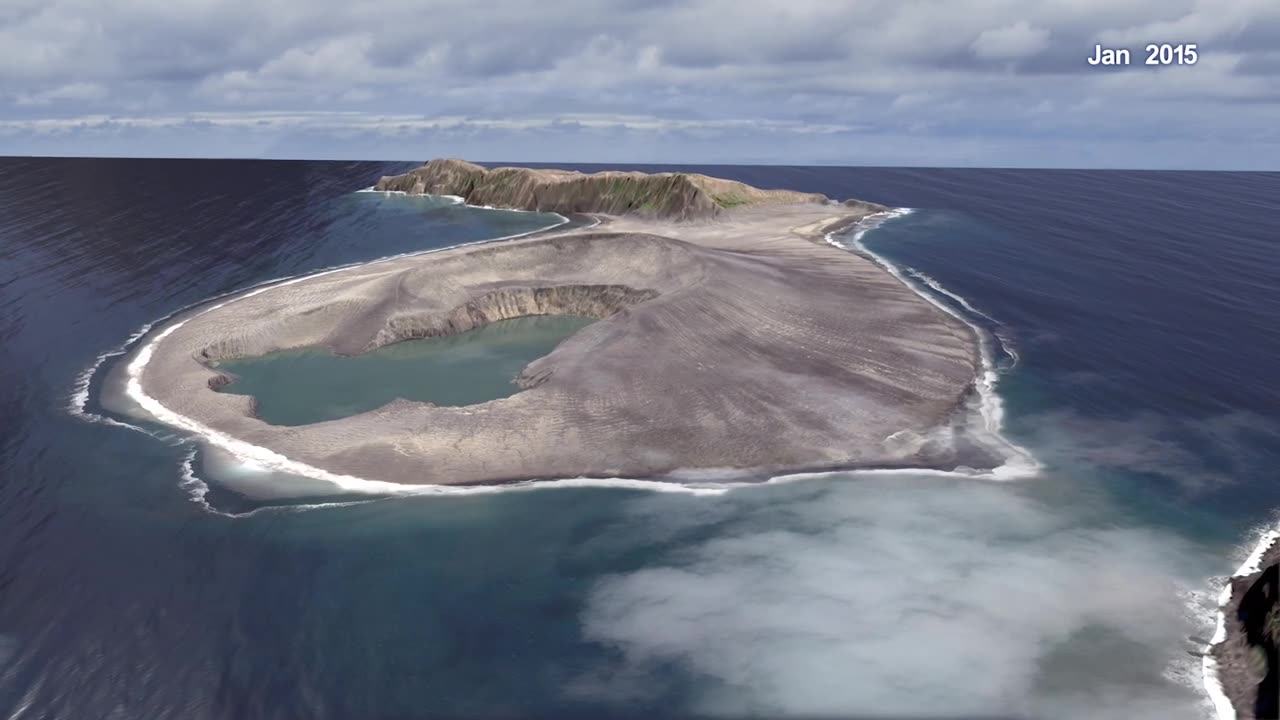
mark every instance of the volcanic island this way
{"type": "Point", "coordinates": [729, 337]}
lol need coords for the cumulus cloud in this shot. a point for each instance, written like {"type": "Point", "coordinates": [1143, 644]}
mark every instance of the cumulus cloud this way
{"type": "Point", "coordinates": [1011, 41]}
{"type": "Point", "coordinates": [958, 73]}
{"type": "Point", "coordinates": [1225, 24]}
{"type": "Point", "coordinates": [78, 91]}
{"type": "Point", "coordinates": [903, 596]}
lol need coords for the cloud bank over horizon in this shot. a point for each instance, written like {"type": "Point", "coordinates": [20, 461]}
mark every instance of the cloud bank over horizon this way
{"type": "Point", "coordinates": [870, 82]}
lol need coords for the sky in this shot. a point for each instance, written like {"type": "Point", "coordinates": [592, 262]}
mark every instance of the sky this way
{"type": "Point", "coordinates": [856, 82]}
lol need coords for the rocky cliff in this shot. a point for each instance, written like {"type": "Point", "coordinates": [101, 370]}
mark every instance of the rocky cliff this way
{"type": "Point", "coordinates": [679, 196]}
{"type": "Point", "coordinates": [1248, 666]}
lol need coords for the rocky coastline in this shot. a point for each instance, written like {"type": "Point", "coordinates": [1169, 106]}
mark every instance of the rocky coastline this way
{"type": "Point", "coordinates": [1248, 665]}
{"type": "Point", "coordinates": [681, 196]}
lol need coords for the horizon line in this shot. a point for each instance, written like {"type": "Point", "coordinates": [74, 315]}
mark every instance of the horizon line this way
{"type": "Point", "coordinates": [511, 163]}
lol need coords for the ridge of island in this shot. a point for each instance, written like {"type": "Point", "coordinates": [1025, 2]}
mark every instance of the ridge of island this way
{"type": "Point", "coordinates": [730, 336]}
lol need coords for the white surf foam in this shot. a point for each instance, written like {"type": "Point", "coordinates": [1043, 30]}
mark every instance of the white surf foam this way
{"type": "Point", "coordinates": [1253, 561]}
{"type": "Point", "coordinates": [937, 287]}
{"type": "Point", "coordinates": [455, 199]}
{"type": "Point", "coordinates": [1200, 604]}
{"type": "Point", "coordinates": [198, 490]}
{"type": "Point", "coordinates": [1005, 346]}
{"type": "Point", "coordinates": [80, 390]}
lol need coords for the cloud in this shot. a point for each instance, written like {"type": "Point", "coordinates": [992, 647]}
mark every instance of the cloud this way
{"type": "Point", "coordinates": [1217, 24]}
{"type": "Point", "coordinates": [391, 123]}
{"type": "Point", "coordinates": [903, 596]}
{"type": "Point", "coordinates": [1010, 42]}
{"type": "Point", "coordinates": [953, 72]}
{"type": "Point", "coordinates": [79, 91]}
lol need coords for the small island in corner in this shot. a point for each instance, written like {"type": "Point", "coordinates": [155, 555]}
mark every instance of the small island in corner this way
{"type": "Point", "coordinates": [1248, 656]}
{"type": "Point", "coordinates": [730, 336]}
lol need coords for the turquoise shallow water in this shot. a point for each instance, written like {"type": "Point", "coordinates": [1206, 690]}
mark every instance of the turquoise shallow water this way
{"type": "Point", "coordinates": [1141, 309]}
{"type": "Point", "coordinates": [297, 387]}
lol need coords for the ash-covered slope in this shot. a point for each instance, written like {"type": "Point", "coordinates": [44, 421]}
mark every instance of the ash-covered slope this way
{"type": "Point", "coordinates": [678, 196]}
{"type": "Point", "coordinates": [746, 344]}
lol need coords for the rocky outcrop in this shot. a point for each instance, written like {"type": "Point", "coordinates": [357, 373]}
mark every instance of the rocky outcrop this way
{"type": "Point", "coordinates": [591, 301]}
{"type": "Point", "coordinates": [679, 196]}
{"type": "Point", "coordinates": [1248, 666]}
{"type": "Point", "coordinates": [864, 206]}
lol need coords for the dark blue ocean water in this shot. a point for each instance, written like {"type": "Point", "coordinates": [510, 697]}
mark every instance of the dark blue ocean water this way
{"type": "Point", "coordinates": [1141, 307]}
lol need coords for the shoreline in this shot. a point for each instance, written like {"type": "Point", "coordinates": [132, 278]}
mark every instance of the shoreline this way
{"type": "Point", "coordinates": [246, 451]}
{"type": "Point", "coordinates": [1211, 684]}
{"type": "Point", "coordinates": [78, 400]}
{"type": "Point", "coordinates": [1019, 461]}
{"type": "Point", "coordinates": [270, 461]}
{"type": "Point", "coordinates": [1268, 544]}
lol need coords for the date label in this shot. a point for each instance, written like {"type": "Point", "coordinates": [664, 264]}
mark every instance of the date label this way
{"type": "Point", "coordinates": [1156, 54]}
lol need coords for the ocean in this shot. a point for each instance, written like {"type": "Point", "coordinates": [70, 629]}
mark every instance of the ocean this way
{"type": "Point", "coordinates": [1131, 323]}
